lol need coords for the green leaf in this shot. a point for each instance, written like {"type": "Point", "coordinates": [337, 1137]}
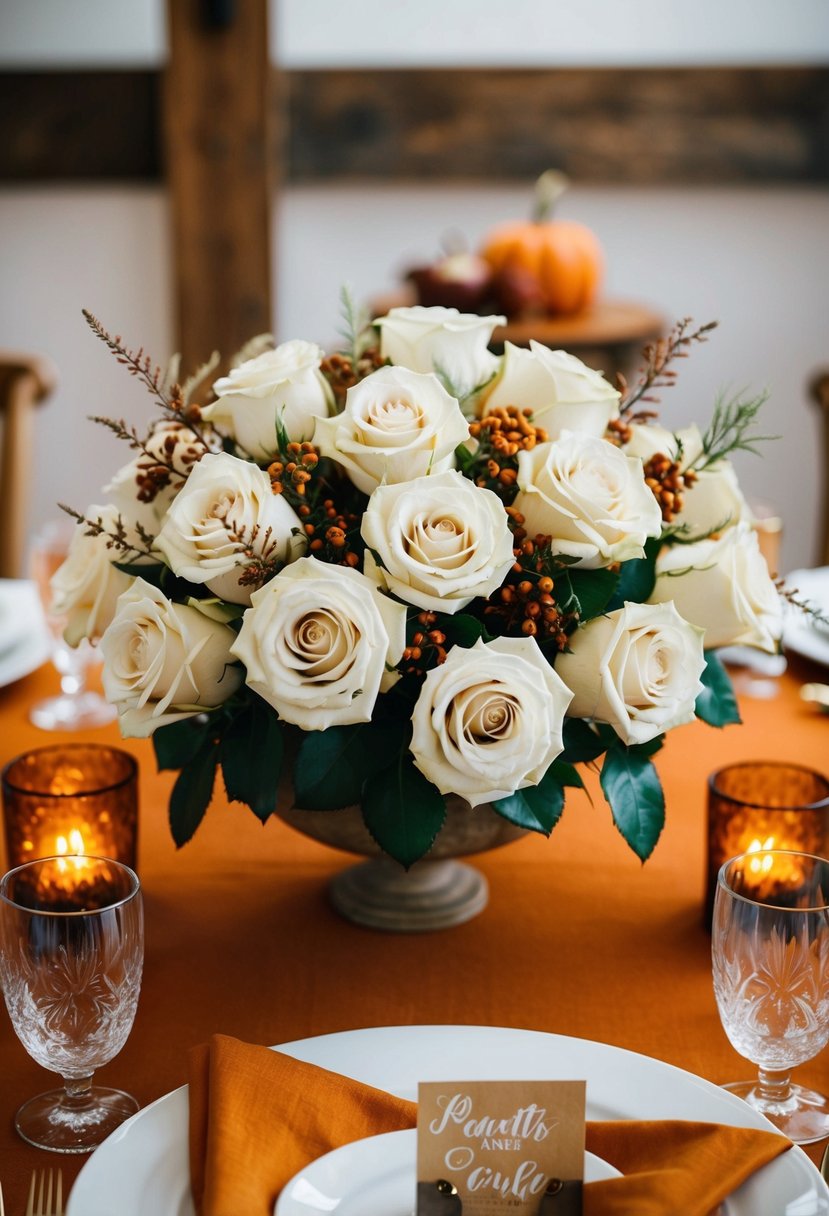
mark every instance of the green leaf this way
{"type": "Point", "coordinates": [584, 741]}
{"type": "Point", "coordinates": [536, 807]}
{"type": "Point", "coordinates": [566, 774]}
{"type": "Point", "coordinates": [333, 765]}
{"type": "Point", "coordinates": [717, 704]}
{"type": "Point", "coordinates": [592, 589]}
{"type": "Point", "coordinates": [462, 629]}
{"type": "Point", "coordinates": [403, 811]}
{"type": "Point", "coordinates": [192, 793]}
{"type": "Point", "coordinates": [631, 785]}
{"type": "Point", "coordinates": [251, 755]}
{"type": "Point", "coordinates": [178, 742]}
{"type": "Point", "coordinates": [648, 749]}
{"type": "Point", "coordinates": [152, 573]}
{"type": "Point", "coordinates": [637, 576]}
{"type": "Point", "coordinates": [465, 459]}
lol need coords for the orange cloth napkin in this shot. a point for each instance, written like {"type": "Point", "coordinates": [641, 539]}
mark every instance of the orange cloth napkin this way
{"type": "Point", "coordinates": [258, 1116]}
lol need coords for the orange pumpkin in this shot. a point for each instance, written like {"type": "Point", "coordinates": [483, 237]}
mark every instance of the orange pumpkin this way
{"type": "Point", "coordinates": [562, 258]}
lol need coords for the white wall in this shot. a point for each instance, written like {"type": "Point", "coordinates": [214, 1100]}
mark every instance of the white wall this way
{"type": "Point", "coordinates": [315, 33]}
{"type": "Point", "coordinates": [757, 260]}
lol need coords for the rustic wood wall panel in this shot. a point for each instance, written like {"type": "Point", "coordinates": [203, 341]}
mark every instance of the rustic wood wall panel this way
{"type": "Point", "coordinates": [59, 126]}
{"type": "Point", "coordinates": [694, 125]}
{"type": "Point", "coordinates": [602, 125]}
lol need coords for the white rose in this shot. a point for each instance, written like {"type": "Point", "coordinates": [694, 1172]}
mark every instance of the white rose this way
{"type": "Point", "coordinates": [488, 721]}
{"type": "Point", "coordinates": [318, 642]}
{"type": "Point", "coordinates": [441, 340]}
{"type": "Point", "coordinates": [724, 587]}
{"type": "Point", "coordinates": [85, 588]}
{"type": "Point", "coordinates": [562, 392]}
{"type": "Point", "coordinates": [441, 541]}
{"type": "Point", "coordinates": [589, 497]}
{"type": "Point", "coordinates": [637, 668]}
{"type": "Point", "coordinates": [714, 501]}
{"type": "Point", "coordinates": [164, 661]}
{"type": "Point", "coordinates": [225, 519]}
{"type": "Point", "coordinates": [280, 387]}
{"type": "Point", "coordinates": [396, 425]}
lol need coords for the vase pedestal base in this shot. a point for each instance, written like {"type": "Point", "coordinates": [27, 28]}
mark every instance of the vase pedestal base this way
{"type": "Point", "coordinates": [432, 895]}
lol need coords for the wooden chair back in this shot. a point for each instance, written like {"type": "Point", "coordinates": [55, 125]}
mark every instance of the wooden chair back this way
{"type": "Point", "coordinates": [25, 381]}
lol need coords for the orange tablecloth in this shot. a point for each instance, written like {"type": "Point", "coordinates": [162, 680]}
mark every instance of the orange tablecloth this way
{"type": "Point", "coordinates": [579, 938]}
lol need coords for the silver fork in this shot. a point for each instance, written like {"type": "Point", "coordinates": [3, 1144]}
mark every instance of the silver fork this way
{"type": "Point", "coordinates": [41, 1192]}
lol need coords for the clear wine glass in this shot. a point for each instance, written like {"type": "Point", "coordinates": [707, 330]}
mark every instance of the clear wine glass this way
{"type": "Point", "coordinates": [76, 706]}
{"type": "Point", "coordinates": [71, 956]}
{"type": "Point", "coordinates": [770, 952]}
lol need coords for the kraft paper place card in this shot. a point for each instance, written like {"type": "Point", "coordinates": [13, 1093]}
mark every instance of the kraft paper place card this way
{"type": "Point", "coordinates": [486, 1148]}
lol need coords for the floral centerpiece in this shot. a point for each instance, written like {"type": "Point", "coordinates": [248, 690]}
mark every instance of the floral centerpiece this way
{"type": "Point", "coordinates": [413, 569]}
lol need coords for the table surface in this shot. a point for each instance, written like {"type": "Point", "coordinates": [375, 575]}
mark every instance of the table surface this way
{"type": "Point", "coordinates": [579, 937]}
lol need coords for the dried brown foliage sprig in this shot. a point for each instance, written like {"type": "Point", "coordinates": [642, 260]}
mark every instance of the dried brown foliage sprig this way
{"type": "Point", "coordinates": [261, 562]}
{"type": "Point", "coordinates": [138, 364]}
{"type": "Point", "coordinates": [657, 372]}
{"type": "Point", "coordinates": [118, 537]}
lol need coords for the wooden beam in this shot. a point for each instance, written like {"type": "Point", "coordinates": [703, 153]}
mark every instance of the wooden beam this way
{"type": "Point", "coordinates": [635, 126]}
{"type": "Point", "coordinates": [220, 157]}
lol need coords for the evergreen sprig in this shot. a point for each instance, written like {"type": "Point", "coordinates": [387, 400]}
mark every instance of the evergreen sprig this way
{"type": "Point", "coordinates": [730, 430]}
{"type": "Point", "coordinates": [356, 327]}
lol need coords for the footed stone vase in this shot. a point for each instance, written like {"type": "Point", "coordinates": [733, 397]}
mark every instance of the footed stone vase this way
{"type": "Point", "coordinates": [436, 893]}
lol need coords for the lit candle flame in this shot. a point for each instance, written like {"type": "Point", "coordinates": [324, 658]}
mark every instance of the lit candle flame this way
{"type": "Point", "coordinates": [761, 865]}
{"type": "Point", "coordinates": [73, 847]}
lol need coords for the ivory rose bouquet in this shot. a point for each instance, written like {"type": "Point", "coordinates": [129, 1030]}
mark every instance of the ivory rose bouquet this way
{"type": "Point", "coordinates": [429, 569]}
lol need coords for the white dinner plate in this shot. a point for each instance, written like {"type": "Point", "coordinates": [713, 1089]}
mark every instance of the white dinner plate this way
{"type": "Point", "coordinates": [143, 1167]}
{"type": "Point", "coordinates": [374, 1177]}
{"type": "Point", "coordinates": [25, 642]}
{"type": "Point", "coordinates": [800, 633]}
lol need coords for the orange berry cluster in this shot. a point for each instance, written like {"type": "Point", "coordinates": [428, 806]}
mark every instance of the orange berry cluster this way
{"type": "Point", "coordinates": [342, 374]}
{"type": "Point", "coordinates": [427, 648]}
{"type": "Point", "coordinates": [502, 435]}
{"type": "Point", "coordinates": [329, 539]}
{"type": "Point", "coordinates": [620, 432]}
{"type": "Point", "coordinates": [297, 470]}
{"type": "Point", "coordinates": [527, 605]}
{"type": "Point", "coordinates": [667, 483]}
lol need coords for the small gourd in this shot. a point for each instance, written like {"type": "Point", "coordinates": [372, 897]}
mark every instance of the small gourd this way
{"type": "Point", "coordinates": [562, 258]}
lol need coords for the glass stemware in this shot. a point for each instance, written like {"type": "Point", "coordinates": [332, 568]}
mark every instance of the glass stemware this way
{"type": "Point", "coordinates": [76, 706]}
{"type": "Point", "coordinates": [770, 953]}
{"type": "Point", "coordinates": [71, 957]}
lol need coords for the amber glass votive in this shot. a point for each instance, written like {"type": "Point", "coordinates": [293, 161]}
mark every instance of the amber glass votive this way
{"type": "Point", "coordinates": [72, 799]}
{"type": "Point", "coordinates": [759, 805]}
